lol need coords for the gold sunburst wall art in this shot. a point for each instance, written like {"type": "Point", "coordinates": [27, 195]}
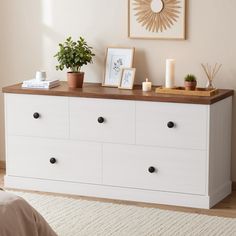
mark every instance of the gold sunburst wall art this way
{"type": "Point", "coordinates": [157, 19]}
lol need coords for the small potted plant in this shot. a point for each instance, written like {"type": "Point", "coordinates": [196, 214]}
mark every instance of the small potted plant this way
{"type": "Point", "coordinates": [73, 55]}
{"type": "Point", "coordinates": [190, 82]}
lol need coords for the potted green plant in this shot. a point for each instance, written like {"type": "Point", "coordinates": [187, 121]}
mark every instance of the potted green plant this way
{"type": "Point", "coordinates": [73, 55]}
{"type": "Point", "coordinates": [190, 82]}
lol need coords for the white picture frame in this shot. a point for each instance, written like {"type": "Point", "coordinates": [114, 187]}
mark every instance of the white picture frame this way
{"type": "Point", "coordinates": [127, 78]}
{"type": "Point", "coordinates": [116, 59]}
{"type": "Point", "coordinates": [160, 19]}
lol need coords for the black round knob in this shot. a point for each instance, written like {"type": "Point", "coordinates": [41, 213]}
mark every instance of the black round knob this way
{"type": "Point", "coordinates": [53, 160]}
{"type": "Point", "coordinates": [36, 115]}
{"type": "Point", "coordinates": [101, 120]}
{"type": "Point", "coordinates": [170, 124]}
{"type": "Point", "coordinates": [151, 169]}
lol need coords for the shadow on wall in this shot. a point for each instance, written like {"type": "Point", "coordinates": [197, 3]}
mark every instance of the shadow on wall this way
{"type": "Point", "coordinates": [233, 139]}
{"type": "Point", "coordinates": [95, 72]}
{"type": "Point", "coordinates": [22, 39]}
{"type": "Point", "coordinates": [141, 63]}
{"type": "Point", "coordinates": [226, 73]}
{"type": "Point", "coordinates": [21, 47]}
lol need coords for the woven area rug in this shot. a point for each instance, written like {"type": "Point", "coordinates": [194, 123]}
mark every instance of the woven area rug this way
{"type": "Point", "coordinates": [76, 217]}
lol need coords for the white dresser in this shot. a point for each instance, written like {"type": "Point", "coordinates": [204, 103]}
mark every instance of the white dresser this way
{"type": "Point", "coordinates": [117, 144]}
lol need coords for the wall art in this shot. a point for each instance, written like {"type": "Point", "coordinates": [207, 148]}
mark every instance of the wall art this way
{"type": "Point", "coordinates": [156, 19]}
{"type": "Point", "coordinates": [127, 78]}
{"type": "Point", "coordinates": [116, 59]}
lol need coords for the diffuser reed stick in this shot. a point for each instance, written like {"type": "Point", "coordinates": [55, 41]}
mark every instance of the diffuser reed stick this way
{"type": "Point", "coordinates": [211, 72]}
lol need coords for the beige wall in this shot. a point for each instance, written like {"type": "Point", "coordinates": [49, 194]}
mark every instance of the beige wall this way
{"type": "Point", "coordinates": [2, 26]}
{"type": "Point", "coordinates": [31, 31]}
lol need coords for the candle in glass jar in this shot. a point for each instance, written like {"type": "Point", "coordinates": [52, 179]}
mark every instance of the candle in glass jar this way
{"type": "Point", "coordinates": [147, 86]}
{"type": "Point", "coordinates": [170, 73]}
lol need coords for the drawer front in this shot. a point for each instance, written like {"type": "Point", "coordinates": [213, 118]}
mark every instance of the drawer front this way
{"type": "Point", "coordinates": [118, 125]}
{"type": "Point", "coordinates": [75, 161]}
{"type": "Point", "coordinates": [51, 115]}
{"type": "Point", "coordinates": [182, 171]}
{"type": "Point", "coordinates": [172, 125]}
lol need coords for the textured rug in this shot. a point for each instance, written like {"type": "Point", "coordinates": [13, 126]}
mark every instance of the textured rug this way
{"type": "Point", "coordinates": [76, 217]}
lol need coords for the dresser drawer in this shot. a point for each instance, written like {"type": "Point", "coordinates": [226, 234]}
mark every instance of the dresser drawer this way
{"type": "Point", "coordinates": [182, 171]}
{"type": "Point", "coordinates": [102, 120]}
{"type": "Point", "coordinates": [35, 115]}
{"type": "Point", "coordinates": [75, 161]}
{"type": "Point", "coordinates": [172, 125]}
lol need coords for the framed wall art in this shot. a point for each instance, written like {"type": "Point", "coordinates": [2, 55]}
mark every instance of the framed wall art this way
{"type": "Point", "coordinates": [127, 78]}
{"type": "Point", "coordinates": [156, 19]}
{"type": "Point", "coordinates": [116, 59]}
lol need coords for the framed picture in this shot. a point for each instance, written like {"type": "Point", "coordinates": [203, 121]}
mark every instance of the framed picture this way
{"type": "Point", "coordinates": [156, 19]}
{"type": "Point", "coordinates": [127, 78]}
{"type": "Point", "coordinates": [116, 59]}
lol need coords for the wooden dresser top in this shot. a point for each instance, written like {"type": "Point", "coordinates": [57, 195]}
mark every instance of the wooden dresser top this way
{"type": "Point", "coordinates": [93, 90]}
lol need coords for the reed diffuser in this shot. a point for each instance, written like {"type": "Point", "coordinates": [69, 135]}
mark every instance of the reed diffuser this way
{"type": "Point", "coordinates": [211, 72]}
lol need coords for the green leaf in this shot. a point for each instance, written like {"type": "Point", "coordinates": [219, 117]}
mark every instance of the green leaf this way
{"type": "Point", "coordinates": [74, 54]}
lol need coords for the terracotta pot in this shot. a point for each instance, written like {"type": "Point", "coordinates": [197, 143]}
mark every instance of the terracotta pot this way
{"type": "Point", "coordinates": [75, 79]}
{"type": "Point", "coordinates": [190, 85]}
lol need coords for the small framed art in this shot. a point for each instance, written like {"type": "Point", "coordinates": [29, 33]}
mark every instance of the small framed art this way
{"type": "Point", "coordinates": [156, 19]}
{"type": "Point", "coordinates": [116, 59]}
{"type": "Point", "coordinates": [127, 78]}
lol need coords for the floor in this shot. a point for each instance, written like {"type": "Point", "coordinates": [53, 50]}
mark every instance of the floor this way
{"type": "Point", "coordinates": [226, 208]}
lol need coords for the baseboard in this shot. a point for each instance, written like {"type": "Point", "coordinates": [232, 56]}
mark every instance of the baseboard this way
{"type": "Point", "coordinates": [2, 165]}
{"type": "Point", "coordinates": [234, 186]}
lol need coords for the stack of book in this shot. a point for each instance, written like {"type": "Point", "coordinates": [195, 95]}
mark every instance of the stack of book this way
{"type": "Point", "coordinates": [46, 84]}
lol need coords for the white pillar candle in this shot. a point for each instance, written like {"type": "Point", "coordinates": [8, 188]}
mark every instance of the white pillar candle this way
{"type": "Point", "coordinates": [170, 73]}
{"type": "Point", "coordinates": [147, 86]}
